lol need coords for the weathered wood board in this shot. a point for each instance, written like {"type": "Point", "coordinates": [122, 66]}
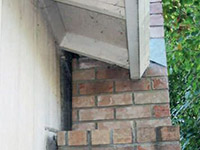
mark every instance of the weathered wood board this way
{"type": "Point", "coordinates": [114, 8]}
{"type": "Point", "coordinates": [115, 31]}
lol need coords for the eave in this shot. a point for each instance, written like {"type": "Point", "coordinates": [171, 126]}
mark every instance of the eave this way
{"type": "Point", "coordinates": [116, 32]}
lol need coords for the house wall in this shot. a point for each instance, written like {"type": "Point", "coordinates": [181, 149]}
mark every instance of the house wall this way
{"type": "Point", "coordinates": [104, 97]}
{"type": "Point", "coordinates": [29, 78]}
{"type": "Point", "coordinates": [112, 112]}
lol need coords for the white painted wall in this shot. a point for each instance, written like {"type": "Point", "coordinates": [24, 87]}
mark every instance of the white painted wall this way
{"type": "Point", "coordinates": [29, 77]}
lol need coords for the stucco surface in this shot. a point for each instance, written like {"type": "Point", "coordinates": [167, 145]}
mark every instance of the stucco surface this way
{"type": "Point", "coordinates": [29, 78]}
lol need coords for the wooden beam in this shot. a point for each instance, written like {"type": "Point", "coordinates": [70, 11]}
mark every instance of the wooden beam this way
{"type": "Point", "coordinates": [95, 49]}
{"type": "Point", "coordinates": [113, 8]}
{"type": "Point", "coordinates": [137, 36]}
{"type": "Point", "coordinates": [53, 16]}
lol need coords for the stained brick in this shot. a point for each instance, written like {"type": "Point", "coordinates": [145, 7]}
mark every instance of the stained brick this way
{"type": "Point", "coordinates": [74, 89]}
{"type": "Point", "coordinates": [160, 83]}
{"type": "Point", "coordinates": [161, 111]}
{"type": "Point", "coordinates": [72, 148]}
{"type": "Point", "coordinates": [84, 101]}
{"type": "Point", "coordinates": [61, 138]}
{"type": "Point", "coordinates": [146, 147]}
{"type": "Point", "coordinates": [115, 148]}
{"type": "Point", "coordinates": [96, 87]}
{"type": "Point", "coordinates": [84, 126]}
{"type": "Point", "coordinates": [74, 64]}
{"type": "Point", "coordinates": [151, 97]}
{"type": "Point", "coordinates": [157, 32]}
{"type": "Point", "coordinates": [156, 8]}
{"type": "Point", "coordinates": [122, 136]}
{"type": "Point", "coordinates": [159, 147]}
{"type": "Point", "coordinates": [74, 115]}
{"type": "Point", "coordinates": [153, 122]}
{"type": "Point", "coordinates": [122, 86]}
{"type": "Point", "coordinates": [83, 75]}
{"type": "Point", "coordinates": [115, 125]}
{"type": "Point", "coordinates": [77, 138]}
{"type": "Point", "coordinates": [171, 133]}
{"type": "Point", "coordinates": [112, 73]}
{"type": "Point", "coordinates": [155, 70]}
{"type": "Point", "coordinates": [100, 137]}
{"type": "Point", "coordinates": [96, 114]}
{"type": "Point", "coordinates": [115, 99]}
{"type": "Point", "coordinates": [133, 112]}
{"type": "Point", "coordinates": [146, 135]}
{"type": "Point", "coordinates": [168, 147]}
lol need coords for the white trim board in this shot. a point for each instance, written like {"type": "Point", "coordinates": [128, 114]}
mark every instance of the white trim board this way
{"type": "Point", "coordinates": [137, 18]}
{"type": "Point", "coordinates": [95, 49]}
{"type": "Point", "coordinates": [113, 8]}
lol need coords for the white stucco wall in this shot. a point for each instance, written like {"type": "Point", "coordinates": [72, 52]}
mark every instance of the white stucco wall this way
{"type": "Point", "coordinates": [29, 77]}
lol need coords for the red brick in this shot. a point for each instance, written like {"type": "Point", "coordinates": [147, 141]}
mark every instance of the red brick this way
{"type": "Point", "coordinates": [84, 101]}
{"type": "Point", "coordinates": [160, 83]}
{"type": "Point", "coordinates": [85, 63]}
{"type": "Point", "coordinates": [74, 64]}
{"type": "Point", "coordinates": [133, 112]}
{"type": "Point", "coordinates": [157, 32]}
{"type": "Point", "coordinates": [83, 75]}
{"type": "Point", "coordinates": [84, 126]}
{"type": "Point", "coordinates": [96, 114]}
{"type": "Point", "coordinates": [100, 137]}
{"type": "Point", "coordinates": [168, 147]}
{"type": "Point", "coordinates": [151, 97]}
{"type": "Point", "coordinates": [156, 8]}
{"type": "Point", "coordinates": [153, 122]}
{"type": "Point", "coordinates": [112, 73]}
{"type": "Point", "coordinates": [61, 138]}
{"type": "Point", "coordinates": [74, 115]}
{"type": "Point", "coordinates": [77, 148]}
{"type": "Point", "coordinates": [146, 147]}
{"type": "Point", "coordinates": [137, 85]}
{"type": "Point", "coordinates": [159, 147]}
{"type": "Point", "coordinates": [161, 111]}
{"type": "Point", "coordinates": [115, 148]}
{"type": "Point", "coordinates": [122, 136]}
{"type": "Point", "coordinates": [115, 99]}
{"type": "Point", "coordinates": [170, 133]}
{"type": "Point", "coordinates": [115, 125]}
{"type": "Point", "coordinates": [146, 135]}
{"type": "Point", "coordinates": [96, 87]}
{"type": "Point", "coordinates": [77, 138]}
{"type": "Point", "coordinates": [74, 89]}
{"type": "Point", "coordinates": [155, 70]}
{"type": "Point", "coordinates": [156, 20]}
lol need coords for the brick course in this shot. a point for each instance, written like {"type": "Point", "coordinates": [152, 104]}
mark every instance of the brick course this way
{"type": "Point", "coordinates": [119, 138]}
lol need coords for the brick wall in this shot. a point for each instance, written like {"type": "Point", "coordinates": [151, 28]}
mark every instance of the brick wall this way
{"type": "Point", "coordinates": [112, 112]}
{"type": "Point", "coordinates": [146, 138]}
{"type": "Point", "coordinates": [104, 97]}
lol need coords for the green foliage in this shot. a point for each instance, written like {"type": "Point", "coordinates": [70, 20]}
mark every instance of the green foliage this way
{"type": "Point", "coordinates": [182, 33]}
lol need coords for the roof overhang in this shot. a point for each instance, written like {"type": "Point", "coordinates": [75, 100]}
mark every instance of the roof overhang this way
{"type": "Point", "coordinates": [114, 31]}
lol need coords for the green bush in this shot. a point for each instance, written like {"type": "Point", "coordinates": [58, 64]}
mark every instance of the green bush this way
{"type": "Point", "coordinates": [182, 35]}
